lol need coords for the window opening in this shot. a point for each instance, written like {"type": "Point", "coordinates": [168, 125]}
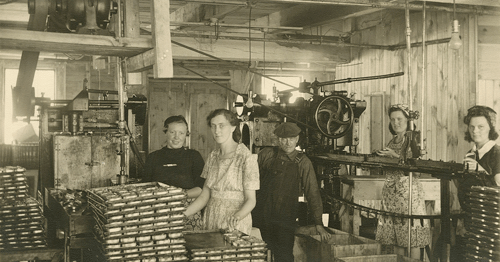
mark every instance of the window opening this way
{"type": "Point", "coordinates": [17, 130]}
{"type": "Point", "coordinates": [268, 86]}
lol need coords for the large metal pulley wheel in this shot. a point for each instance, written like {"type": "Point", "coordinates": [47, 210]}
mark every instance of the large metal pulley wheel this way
{"type": "Point", "coordinates": [334, 116]}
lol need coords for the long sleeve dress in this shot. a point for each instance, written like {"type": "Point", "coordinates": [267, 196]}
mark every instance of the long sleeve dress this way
{"type": "Point", "coordinates": [395, 193]}
{"type": "Point", "coordinates": [227, 180]}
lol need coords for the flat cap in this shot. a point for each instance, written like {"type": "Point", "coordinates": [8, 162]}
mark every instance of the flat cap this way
{"type": "Point", "coordinates": [287, 130]}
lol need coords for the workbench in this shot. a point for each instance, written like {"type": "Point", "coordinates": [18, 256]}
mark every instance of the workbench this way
{"type": "Point", "coordinates": [367, 191]}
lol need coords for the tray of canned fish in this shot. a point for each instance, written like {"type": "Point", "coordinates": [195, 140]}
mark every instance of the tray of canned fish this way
{"type": "Point", "coordinates": [483, 225]}
{"type": "Point", "coordinates": [120, 199]}
{"type": "Point", "coordinates": [139, 222]}
{"type": "Point", "coordinates": [21, 223]}
{"type": "Point", "coordinates": [12, 182]}
{"type": "Point", "coordinates": [143, 209]}
{"type": "Point", "coordinates": [145, 247]}
{"type": "Point", "coordinates": [224, 246]}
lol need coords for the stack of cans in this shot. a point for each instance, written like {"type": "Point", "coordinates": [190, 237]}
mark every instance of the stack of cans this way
{"type": "Point", "coordinates": [21, 217]}
{"type": "Point", "coordinates": [483, 225]}
{"type": "Point", "coordinates": [139, 222]}
{"type": "Point", "coordinates": [230, 246]}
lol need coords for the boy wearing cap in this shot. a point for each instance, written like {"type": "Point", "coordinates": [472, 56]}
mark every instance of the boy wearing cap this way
{"type": "Point", "coordinates": [285, 175]}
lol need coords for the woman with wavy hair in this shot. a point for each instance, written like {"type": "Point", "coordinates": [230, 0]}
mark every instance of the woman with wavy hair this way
{"type": "Point", "coordinates": [485, 153]}
{"type": "Point", "coordinates": [396, 191]}
{"type": "Point", "coordinates": [232, 177]}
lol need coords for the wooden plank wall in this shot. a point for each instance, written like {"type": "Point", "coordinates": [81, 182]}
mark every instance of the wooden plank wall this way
{"type": "Point", "coordinates": [450, 88]}
{"type": "Point", "coordinates": [192, 99]}
{"type": "Point", "coordinates": [488, 92]}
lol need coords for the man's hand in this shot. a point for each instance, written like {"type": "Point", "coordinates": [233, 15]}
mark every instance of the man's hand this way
{"type": "Point", "coordinates": [323, 233]}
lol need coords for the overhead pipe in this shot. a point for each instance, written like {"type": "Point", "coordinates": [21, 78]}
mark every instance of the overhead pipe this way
{"type": "Point", "coordinates": [409, 134]}
{"type": "Point", "coordinates": [424, 84]}
{"type": "Point", "coordinates": [316, 42]}
{"type": "Point", "coordinates": [123, 176]}
{"type": "Point", "coordinates": [384, 5]}
{"type": "Point", "coordinates": [177, 23]}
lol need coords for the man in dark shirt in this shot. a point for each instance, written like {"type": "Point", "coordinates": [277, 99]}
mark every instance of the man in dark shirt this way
{"type": "Point", "coordinates": [285, 175]}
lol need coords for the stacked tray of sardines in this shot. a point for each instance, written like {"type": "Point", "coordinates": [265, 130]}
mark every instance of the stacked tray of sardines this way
{"type": "Point", "coordinates": [483, 225]}
{"type": "Point", "coordinates": [139, 222]}
{"type": "Point", "coordinates": [21, 218]}
{"type": "Point", "coordinates": [13, 182]}
{"type": "Point", "coordinates": [225, 246]}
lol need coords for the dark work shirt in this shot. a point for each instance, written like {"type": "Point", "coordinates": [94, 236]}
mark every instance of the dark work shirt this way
{"type": "Point", "coordinates": [180, 167]}
{"type": "Point", "coordinates": [491, 161]}
{"type": "Point", "coordinates": [309, 184]}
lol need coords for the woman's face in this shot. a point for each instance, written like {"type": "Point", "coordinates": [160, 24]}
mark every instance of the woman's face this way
{"type": "Point", "coordinates": [399, 122]}
{"type": "Point", "coordinates": [176, 135]}
{"type": "Point", "coordinates": [479, 129]}
{"type": "Point", "coordinates": [221, 129]}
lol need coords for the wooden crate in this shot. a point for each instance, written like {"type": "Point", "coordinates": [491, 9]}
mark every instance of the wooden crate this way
{"type": "Point", "coordinates": [341, 244]}
{"type": "Point", "coordinates": [377, 258]}
{"type": "Point", "coordinates": [302, 242]}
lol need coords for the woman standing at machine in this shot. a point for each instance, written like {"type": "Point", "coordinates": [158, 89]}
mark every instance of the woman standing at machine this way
{"type": "Point", "coordinates": [177, 165]}
{"type": "Point", "coordinates": [232, 177]}
{"type": "Point", "coordinates": [395, 193]}
{"type": "Point", "coordinates": [485, 153]}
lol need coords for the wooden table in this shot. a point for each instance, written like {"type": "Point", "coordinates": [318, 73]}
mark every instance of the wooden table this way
{"type": "Point", "coordinates": [367, 191]}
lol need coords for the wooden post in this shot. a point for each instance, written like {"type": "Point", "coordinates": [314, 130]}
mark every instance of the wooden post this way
{"type": "Point", "coordinates": [160, 22]}
{"type": "Point", "coordinates": [131, 20]}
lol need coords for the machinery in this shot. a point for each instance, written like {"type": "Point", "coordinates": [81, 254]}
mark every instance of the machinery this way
{"type": "Point", "coordinates": [83, 145]}
{"type": "Point", "coordinates": [80, 16]}
{"type": "Point", "coordinates": [330, 121]}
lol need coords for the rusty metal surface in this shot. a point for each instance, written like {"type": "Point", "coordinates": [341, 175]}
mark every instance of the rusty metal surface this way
{"type": "Point", "coordinates": [264, 132]}
{"type": "Point", "coordinates": [83, 162]}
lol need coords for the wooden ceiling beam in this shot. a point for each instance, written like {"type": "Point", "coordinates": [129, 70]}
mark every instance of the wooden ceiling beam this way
{"type": "Point", "coordinates": [190, 12]}
{"type": "Point", "coordinates": [72, 43]}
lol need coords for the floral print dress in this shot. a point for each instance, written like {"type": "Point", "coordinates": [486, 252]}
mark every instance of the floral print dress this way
{"type": "Point", "coordinates": [227, 180]}
{"type": "Point", "coordinates": [395, 193]}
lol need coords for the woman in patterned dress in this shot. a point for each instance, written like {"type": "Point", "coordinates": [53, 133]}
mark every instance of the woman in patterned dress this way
{"type": "Point", "coordinates": [232, 177]}
{"type": "Point", "coordinates": [395, 193]}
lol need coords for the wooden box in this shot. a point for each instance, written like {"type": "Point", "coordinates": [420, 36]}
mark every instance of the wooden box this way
{"type": "Point", "coordinates": [377, 258]}
{"type": "Point", "coordinates": [341, 244]}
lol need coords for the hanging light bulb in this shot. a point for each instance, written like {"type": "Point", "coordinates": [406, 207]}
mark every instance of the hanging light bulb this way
{"type": "Point", "coordinates": [249, 103]}
{"type": "Point", "coordinates": [455, 41]}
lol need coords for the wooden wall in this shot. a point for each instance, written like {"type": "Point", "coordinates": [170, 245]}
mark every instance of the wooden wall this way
{"type": "Point", "coordinates": [450, 88]}
{"type": "Point", "coordinates": [192, 99]}
{"type": "Point", "coordinates": [488, 92]}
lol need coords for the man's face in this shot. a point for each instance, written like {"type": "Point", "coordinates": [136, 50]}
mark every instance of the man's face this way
{"type": "Point", "coordinates": [288, 144]}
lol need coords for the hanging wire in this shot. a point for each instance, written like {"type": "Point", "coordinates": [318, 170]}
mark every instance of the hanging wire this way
{"type": "Point", "coordinates": [454, 9]}
{"type": "Point", "coordinates": [250, 37]}
{"type": "Point", "coordinates": [264, 58]}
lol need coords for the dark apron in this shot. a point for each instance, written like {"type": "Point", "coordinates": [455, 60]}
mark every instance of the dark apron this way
{"type": "Point", "coordinates": [278, 206]}
{"type": "Point", "coordinates": [277, 199]}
